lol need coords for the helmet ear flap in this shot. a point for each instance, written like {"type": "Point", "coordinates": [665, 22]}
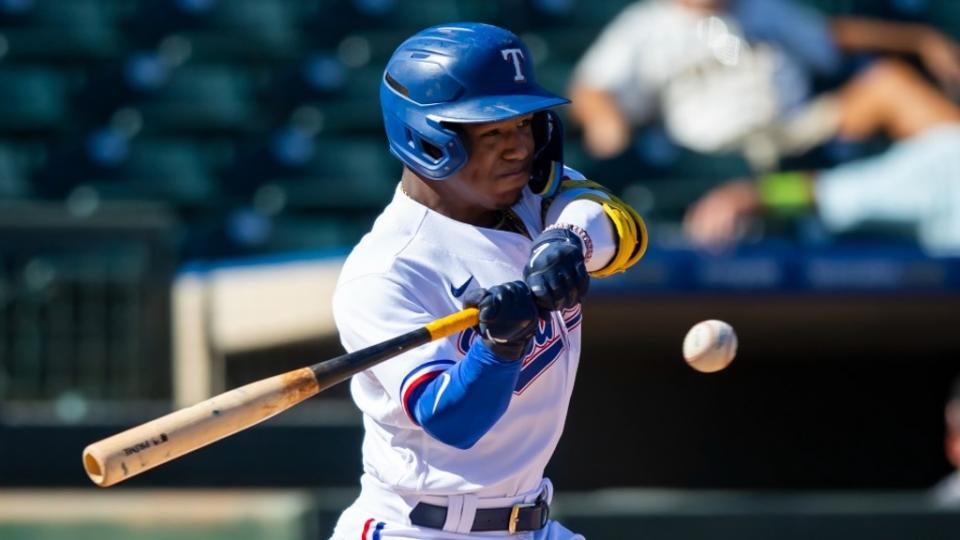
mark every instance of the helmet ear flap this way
{"type": "Point", "coordinates": [426, 146]}
{"type": "Point", "coordinates": [548, 153]}
{"type": "Point", "coordinates": [419, 144]}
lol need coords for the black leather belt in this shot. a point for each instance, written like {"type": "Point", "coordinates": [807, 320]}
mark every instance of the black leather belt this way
{"type": "Point", "coordinates": [519, 517]}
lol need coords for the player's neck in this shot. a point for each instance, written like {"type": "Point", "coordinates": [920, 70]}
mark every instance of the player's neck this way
{"type": "Point", "coordinates": [430, 196]}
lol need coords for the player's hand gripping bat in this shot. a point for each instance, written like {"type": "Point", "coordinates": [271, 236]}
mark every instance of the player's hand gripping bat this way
{"type": "Point", "coordinates": [138, 449]}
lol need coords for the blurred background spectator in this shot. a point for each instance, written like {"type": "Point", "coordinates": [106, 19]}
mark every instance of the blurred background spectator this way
{"type": "Point", "coordinates": [947, 492]}
{"type": "Point", "coordinates": [914, 187]}
{"type": "Point", "coordinates": [738, 75]}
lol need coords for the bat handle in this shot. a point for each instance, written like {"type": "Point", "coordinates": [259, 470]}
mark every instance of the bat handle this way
{"type": "Point", "coordinates": [451, 324]}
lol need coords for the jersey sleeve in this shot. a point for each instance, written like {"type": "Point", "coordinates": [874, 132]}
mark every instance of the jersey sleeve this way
{"type": "Point", "coordinates": [628, 234]}
{"type": "Point", "coordinates": [375, 308]}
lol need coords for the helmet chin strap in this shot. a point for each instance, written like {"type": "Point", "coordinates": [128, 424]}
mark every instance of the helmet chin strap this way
{"type": "Point", "coordinates": [548, 157]}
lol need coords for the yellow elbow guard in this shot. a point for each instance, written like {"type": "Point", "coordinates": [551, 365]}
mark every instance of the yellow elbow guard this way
{"type": "Point", "coordinates": [631, 230]}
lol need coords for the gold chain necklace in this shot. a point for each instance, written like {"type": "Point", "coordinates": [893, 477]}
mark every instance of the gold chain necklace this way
{"type": "Point", "coordinates": [508, 219]}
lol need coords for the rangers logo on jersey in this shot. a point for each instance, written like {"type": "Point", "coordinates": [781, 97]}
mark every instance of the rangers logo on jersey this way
{"type": "Point", "coordinates": [547, 346]}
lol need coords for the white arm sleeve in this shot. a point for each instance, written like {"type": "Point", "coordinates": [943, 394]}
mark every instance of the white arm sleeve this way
{"type": "Point", "coordinates": [589, 216]}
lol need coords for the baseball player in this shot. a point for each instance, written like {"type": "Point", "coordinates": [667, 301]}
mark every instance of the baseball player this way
{"type": "Point", "coordinates": [458, 432]}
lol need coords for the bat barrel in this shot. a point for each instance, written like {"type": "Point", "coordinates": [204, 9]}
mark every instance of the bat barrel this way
{"type": "Point", "coordinates": [93, 465]}
{"type": "Point", "coordinates": [141, 448]}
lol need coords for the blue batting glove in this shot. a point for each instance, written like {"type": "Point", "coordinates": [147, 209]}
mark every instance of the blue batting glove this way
{"type": "Point", "coordinates": [508, 317]}
{"type": "Point", "coordinates": [556, 272]}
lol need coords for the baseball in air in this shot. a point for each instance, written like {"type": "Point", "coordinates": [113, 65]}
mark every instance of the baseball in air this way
{"type": "Point", "coordinates": [710, 346]}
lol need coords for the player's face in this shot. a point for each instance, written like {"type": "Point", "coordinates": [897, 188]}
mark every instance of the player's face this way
{"type": "Point", "coordinates": [499, 163]}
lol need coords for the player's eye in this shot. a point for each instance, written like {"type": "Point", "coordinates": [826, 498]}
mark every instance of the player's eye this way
{"type": "Point", "coordinates": [491, 133]}
{"type": "Point", "coordinates": [525, 123]}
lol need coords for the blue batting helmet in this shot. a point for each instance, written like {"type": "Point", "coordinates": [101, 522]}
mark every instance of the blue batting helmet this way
{"type": "Point", "coordinates": [462, 73]}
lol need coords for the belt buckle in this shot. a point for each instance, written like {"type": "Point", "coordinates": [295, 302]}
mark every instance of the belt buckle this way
{"type": "Point", "coordinates": [515, 516]}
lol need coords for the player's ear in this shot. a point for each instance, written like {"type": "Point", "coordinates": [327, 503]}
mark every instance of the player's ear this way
{"type": "Point", "coordinates": [548, 154]}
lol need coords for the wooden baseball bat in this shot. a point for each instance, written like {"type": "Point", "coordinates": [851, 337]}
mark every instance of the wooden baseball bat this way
{"type": "Point", "coordinates": [140, 448]}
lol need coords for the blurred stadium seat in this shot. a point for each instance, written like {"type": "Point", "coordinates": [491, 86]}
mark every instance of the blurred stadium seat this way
{"type": "Point", "coordinates": [12, 182]}
{"type": "Point", "coordinates": [222, 30]}
{"type": "Point", "coordinates": [169, 170]}
{"type": "Point", "coordinates": [89, 76]}
{"type": "Point", "coordinates": [356, 108]}
{"type": "Point", "coordinates": [946, 14]}
{"type": "Point", "coordinates": [296, 233]}
{"type": "Point", "coordinates": [31, 99]}
{"type": "Point", "coordinates": [210, 98]}
{"type": "Point", "coordinates": [57, 31]}
{"type": "Point", "coordinates": [16, 164]}
{"type": "Point", "coordinates": [343, 175]}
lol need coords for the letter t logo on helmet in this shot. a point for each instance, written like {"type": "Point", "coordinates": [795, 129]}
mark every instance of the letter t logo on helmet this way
{"type": "Point", "coordinates": [516, 55]}
{"type": "Point", "coordinates": [461, 73]}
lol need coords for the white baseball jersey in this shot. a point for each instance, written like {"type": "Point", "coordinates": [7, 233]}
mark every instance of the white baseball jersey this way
{"type": "Point", "coordinates": [414, 267]}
